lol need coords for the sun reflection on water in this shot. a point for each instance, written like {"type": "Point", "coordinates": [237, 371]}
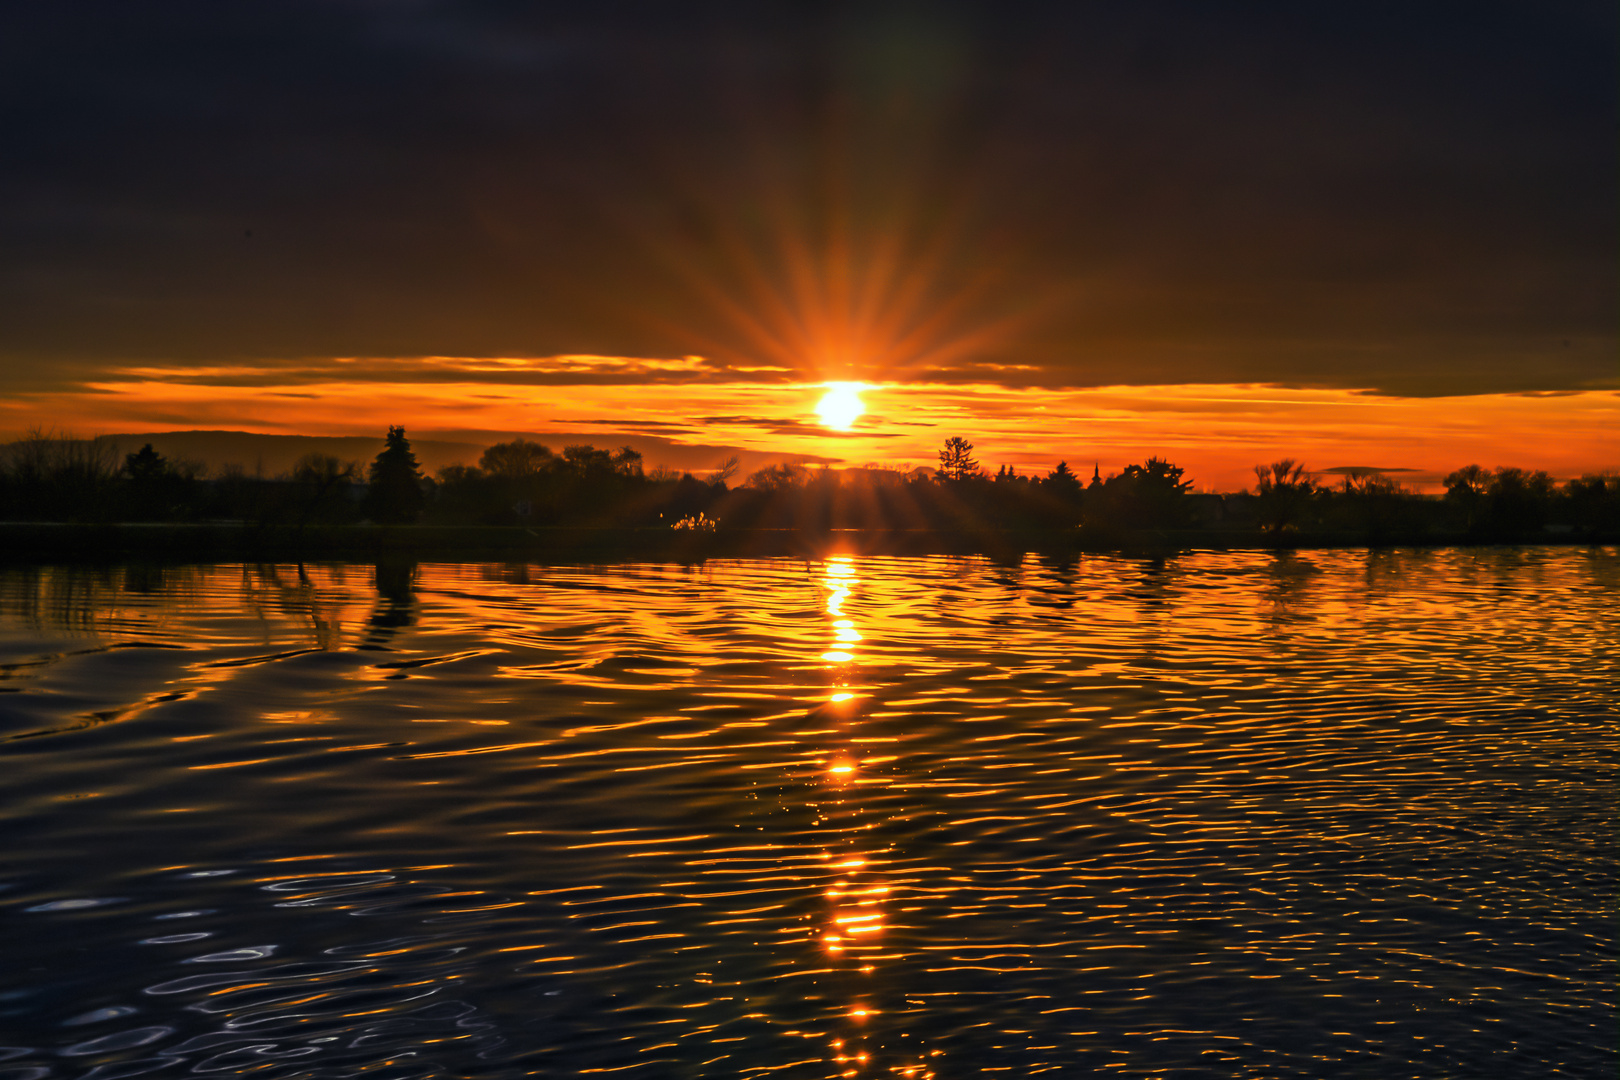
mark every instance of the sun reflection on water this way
{"type": "Point", "coordinates": [854, 918]}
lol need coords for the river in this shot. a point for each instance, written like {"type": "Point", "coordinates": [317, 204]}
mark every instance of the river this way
{"type": "Point", "coordinates": [1224, 814]}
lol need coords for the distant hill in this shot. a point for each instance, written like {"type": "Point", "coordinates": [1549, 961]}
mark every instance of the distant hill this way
{"type": "Point", "coordinates": [271, 455]}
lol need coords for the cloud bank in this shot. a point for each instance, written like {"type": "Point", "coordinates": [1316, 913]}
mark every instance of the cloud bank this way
{"type": "Point", "coordinates": [1417, 201]}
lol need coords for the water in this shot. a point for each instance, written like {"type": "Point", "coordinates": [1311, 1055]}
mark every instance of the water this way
{"type": "Point", "coordinates": [1335, 813]}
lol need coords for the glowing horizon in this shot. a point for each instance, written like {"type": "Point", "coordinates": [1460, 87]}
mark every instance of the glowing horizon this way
{"type": "Point", "coordinates": [1218, 432]}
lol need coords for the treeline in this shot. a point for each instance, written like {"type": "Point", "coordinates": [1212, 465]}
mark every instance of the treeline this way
{"type": "Point", "coordinates": [1504, 504]}
{"type": "Point", "coordinates": [47, 477]}
{"type": "Point", "coordinates": [522, 483]}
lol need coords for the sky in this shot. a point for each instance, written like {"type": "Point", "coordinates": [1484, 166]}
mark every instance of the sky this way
{"type": "Point", "coordinates": [1359, 234]}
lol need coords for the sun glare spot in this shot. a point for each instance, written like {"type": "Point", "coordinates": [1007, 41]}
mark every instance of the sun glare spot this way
{"type": "Point", "coordinates": [840, 406]}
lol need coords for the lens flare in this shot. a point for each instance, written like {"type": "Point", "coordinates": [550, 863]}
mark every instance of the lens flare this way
{"type": "Point", "coordinates": [840, 406]}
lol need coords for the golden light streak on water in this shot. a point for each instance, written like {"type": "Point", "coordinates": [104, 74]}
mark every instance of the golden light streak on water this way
{"type": "Point", "coordinates": [855, 918]}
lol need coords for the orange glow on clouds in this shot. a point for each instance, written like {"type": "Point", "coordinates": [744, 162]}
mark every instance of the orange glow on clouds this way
{"type": "Point", "coordinates": [1217, 432]}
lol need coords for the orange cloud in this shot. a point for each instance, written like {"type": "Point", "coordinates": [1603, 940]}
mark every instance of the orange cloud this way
{"type": "Point", "coordinates": [1218, 432]}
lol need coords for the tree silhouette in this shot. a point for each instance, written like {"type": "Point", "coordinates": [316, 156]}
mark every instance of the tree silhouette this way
{"type": "Point", "coordinates": [57, 477]}
{"type": "Point", "coordinates": [395, 482]}
{"type": "Point", "coordinates": [1507, 503]}
{"type": "Point", "coordinates": [516, 460]}
{"type": "Point", "coordinates": [145, 466]}
{"type": "Point", "coordinates": [321, 485]}
{"type": "Point", "coordinates": [1283, 489]}
{"type": "Point", "coordinates": [782, 477]}
{"type": "Point", "coordinates": [1374, 503]}
{"type": "Point", "coordinates": [592, 463]}
{"type": "Point", "coordinates": [956, 462]}
{"type": "Point", "coordinates": [1519, 502]}
{"type": "Point", "coordinates": [1141, 496]}
{"type": "Point", "coordinates": [1062, 482]}
{"type": "Point", "coordinates": [1594, 504]}
{"type": "Point", "coordinates": [1467, 489]}
{"type": "Point", "coordinates": [727, 469]}
{"type": "Point", "coordinates": [154, 490]}
{"type": "Point", "coordinates": [45, 476]}
{"type": "Point", "coordinates": [516, 480]}
{"type": "Point", "coordinates": [1158, 477]}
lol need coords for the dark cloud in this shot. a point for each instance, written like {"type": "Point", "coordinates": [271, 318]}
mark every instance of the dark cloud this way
{"type": "Point", "coordinates": [779, 426]}
{"type": "Point", "coordinates": [1365, 470]}
{"type": "Point", "coordinates": [642, 425]}
{"type": "Point", "coordinates": [545, 371]}
{"type": "Point", "coordinates": [1417, 199]}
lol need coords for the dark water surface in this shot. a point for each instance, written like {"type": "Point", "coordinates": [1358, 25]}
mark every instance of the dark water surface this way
{"type": "Point", "coordinates": [1340, 813]}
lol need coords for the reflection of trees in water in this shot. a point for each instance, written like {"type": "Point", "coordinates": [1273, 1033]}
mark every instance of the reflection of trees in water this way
{"type": "Point", "coordinates": [1009, 574]}
{"type": "Point", "coordinates": [1392, 574]}
{"type": "Point", "coordinates": [1152, 585]}
{"type": "Point", "coordinates": [293, 604]}
{"type": "Point", "coordinates": [1065, 565]}
{"type": "Point", "coordinates": [1286, 581]}
{"type": "Point", "coordinates": [273, 593]}
{"type": "Point", "coordinates": [144, 578]}
{"type": "Point", "coordinates": [71, 598]}
{"type": "Point", "coordinates": [1056, 585]}
{"type": "Point", "coordinates": [23, 598]}
{"type": "Point", "coordinates": [508, 573]}
{"type": "Point", "coordinates": [1385, 570]}
{"type": "Point", "coordinates": [396, 583]}
{"type": "Point", "coordinates": [90, 600]}
{"type": "Point", "coordinates": [396, 601]}
{"type": "Point", "coordinates": [1152, 592]}
{"type": "Point", "coordinates": [97, 600]}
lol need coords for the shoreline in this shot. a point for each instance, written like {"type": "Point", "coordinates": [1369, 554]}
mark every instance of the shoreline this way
{"type": "Point", "coordinates": [50, 542]}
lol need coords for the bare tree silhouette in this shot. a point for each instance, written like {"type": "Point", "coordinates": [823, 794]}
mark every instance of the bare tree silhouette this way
{"type": "Point", "coordinates": [321, 486]}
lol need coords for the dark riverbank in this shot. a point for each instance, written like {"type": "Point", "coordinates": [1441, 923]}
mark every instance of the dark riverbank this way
{"type": "Point", "coordinates": [53, 542]}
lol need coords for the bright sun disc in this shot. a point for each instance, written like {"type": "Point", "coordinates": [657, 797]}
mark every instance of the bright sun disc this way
{"type": "Point", "coordinates": [841, 405]}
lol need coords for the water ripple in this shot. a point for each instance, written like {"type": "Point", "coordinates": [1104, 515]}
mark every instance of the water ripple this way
{"type": "Point", "coordinates": [1224, 814]}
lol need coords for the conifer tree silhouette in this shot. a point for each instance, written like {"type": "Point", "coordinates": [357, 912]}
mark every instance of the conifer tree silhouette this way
{"type": "Point", "coordinates": [956, 461]}
{"type": "Point", "coordinates": [395, 495]}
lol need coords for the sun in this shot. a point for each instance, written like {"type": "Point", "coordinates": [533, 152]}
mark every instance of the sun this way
{"type": "Point", "coordinates": [841, 405]}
